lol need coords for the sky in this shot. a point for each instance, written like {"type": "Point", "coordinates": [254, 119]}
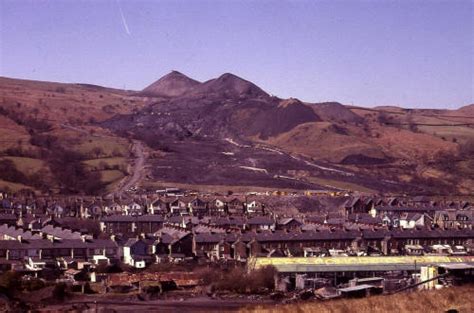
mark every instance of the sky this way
{"type": "Point", "coordinates": [409, 53]}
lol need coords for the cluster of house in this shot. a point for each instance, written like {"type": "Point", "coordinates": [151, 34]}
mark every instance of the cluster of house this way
{"type": "Point", "coordinates": [140, 232]}
{"type": "Point", "coordinates": [91, 207]}
{"type": "Point", "coordinates": [34, 249]}
{"type": "Point", "coordinates": [234, 238]}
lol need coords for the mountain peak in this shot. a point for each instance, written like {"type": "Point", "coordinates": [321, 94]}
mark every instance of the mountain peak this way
{"type": "Point", "coordinates": [289, 102]}
{"type": "Point", "coordinates": [171, 85]}
{"type": "Point", "coordinates": [230, 85]}
{"type": "Point", "coordinates": [175, 73]}
{"type": "Point", "coordinates": [227, 76]}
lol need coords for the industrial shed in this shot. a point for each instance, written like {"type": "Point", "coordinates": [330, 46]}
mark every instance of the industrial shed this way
{"type": "Point", "coordinates": [356, 264]}
{"type": "Point", "coordinates": [298, 273]}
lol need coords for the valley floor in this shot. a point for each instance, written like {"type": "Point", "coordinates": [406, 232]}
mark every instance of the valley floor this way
{"type": "Point", "coordinates": [453, 298]}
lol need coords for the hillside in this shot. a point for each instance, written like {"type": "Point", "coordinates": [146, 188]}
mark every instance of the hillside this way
{"type": "Point", "coordinates": [229, 86]}
{"type": "Point", "coordinates": [171, 85]}
{"type": "Point", "coordinates": [225, 132]}
{"type": "Point", "coordinates": [468, 110]}
{"type": "Point", "coordinates": [334, 111]}
{"type": "Point", "coordinates": [50, 136]}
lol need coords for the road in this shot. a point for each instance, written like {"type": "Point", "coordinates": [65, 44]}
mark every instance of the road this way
{"type": "Point", "coordinates": [137, 170]}
{"type": "Point", "coordinates": [199, 304]}
{"type": "Point", "coordinates": [272, 149]}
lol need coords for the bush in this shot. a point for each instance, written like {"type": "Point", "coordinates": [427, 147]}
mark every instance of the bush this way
{"type": "Point", "coordinates": [467, 149]}
{"type": "Point", "coordinates": [236, 280]}
{"type": "Point", "coordinates": [207, 275]}
{"type": "Point", "coordinates": [97, 152]}
{"type": "Point", "coordinates": [16, 151]}
{"type": "Point", "coordinates": [117, 153]}
{"type": "Point", "coordinates": [10, 280]}
{"type": "Point", "coordinates": [112, 268]}
{"type": "Point", "coordinates": [263, 278]}
{"type": "Point", "coordinates": [43, 141]}
{"type": "Point", "coordinates": [240, 281]}
{"type": "Point", "coordinates": [70, 171]}
{"type": "Point", "coordinates": [59, 291]}
{"type": "Point", "coordinates": [9, 172]}
{"type": "Point", "coordinates": [60, 89]}
{"type": "Point", "coordinates": [33, 284]}
{"type": "Point", "coordinates": [188, 266]}
{"type": "Point", "coordinates": [383, 118]}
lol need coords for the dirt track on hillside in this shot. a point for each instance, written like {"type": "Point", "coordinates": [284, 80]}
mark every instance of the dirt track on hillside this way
{"type": "Point", "coordinates": [137, 170]}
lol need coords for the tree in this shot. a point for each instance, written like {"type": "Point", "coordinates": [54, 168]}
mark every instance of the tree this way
{"type": "Point", "coordinates": [116, 153]}
{"type": "Point", "coordinates": [467, 148]}
{"type": "Point", "coordinates": [97, 151]}
{"type": "Point", "coordinates": [9, 172]}
{"type": "Point", "coordinates": [413, 127]}
{"type": "Point", "coordinates": [59, 291]}
{"type": "Point", "coordinates": [103, 166]}
{"type": "Point", "coordinates": [60, 89]}
{"type": "Point", "coordinates": [383, 118]}
{"type": "Point", "coordinates": [10, 282]}
{"type": "Point", "coordinates": [240, 281]}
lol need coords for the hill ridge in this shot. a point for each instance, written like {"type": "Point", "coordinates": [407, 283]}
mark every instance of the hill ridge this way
{"type": "Point", "coordinates": [172, 84]}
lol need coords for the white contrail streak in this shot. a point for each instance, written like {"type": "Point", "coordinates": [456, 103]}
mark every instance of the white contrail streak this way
{"type": "Point", "coordinates": [124, 21]}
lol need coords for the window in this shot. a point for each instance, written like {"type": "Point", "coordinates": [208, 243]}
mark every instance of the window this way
{"type": "Point", "coordinates": [79, 252]}
{"type": "Point", "coordinates": [64, 252]}
{"type": "Point", "coordinates": [32, 252]}
{"type": "Point", "coordinates": [14, 254]}
{"type": "Point", "coordinates": [110, 251]}
{"type": "Point", "coordinates": [462, 218]}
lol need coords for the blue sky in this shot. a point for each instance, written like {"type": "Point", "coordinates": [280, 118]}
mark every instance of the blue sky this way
{"type": "Point", "coordinates": [406, 53]}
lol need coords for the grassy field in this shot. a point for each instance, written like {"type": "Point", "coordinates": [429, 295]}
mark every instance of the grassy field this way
{"type": "Point", "coordinates": [460, 133]}
{"type": "Point", "coordinates": [13, 186]}
{"type": "Point", "coordinates": [109, 176]}
{"type": "Point", "coordinates": [27, 166]}
{"type": "Point", "coordinates": [95, 164]}
{"type": "Point", "coordinates": [109, 146]}
{"type": "Point", "coordinates": [459, 298]}
{"type": "Point", "coordinates": [340, 184]}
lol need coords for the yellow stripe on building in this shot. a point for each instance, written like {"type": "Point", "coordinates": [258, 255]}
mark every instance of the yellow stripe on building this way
{"type": "Point", "coordinates": [362, 260]}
